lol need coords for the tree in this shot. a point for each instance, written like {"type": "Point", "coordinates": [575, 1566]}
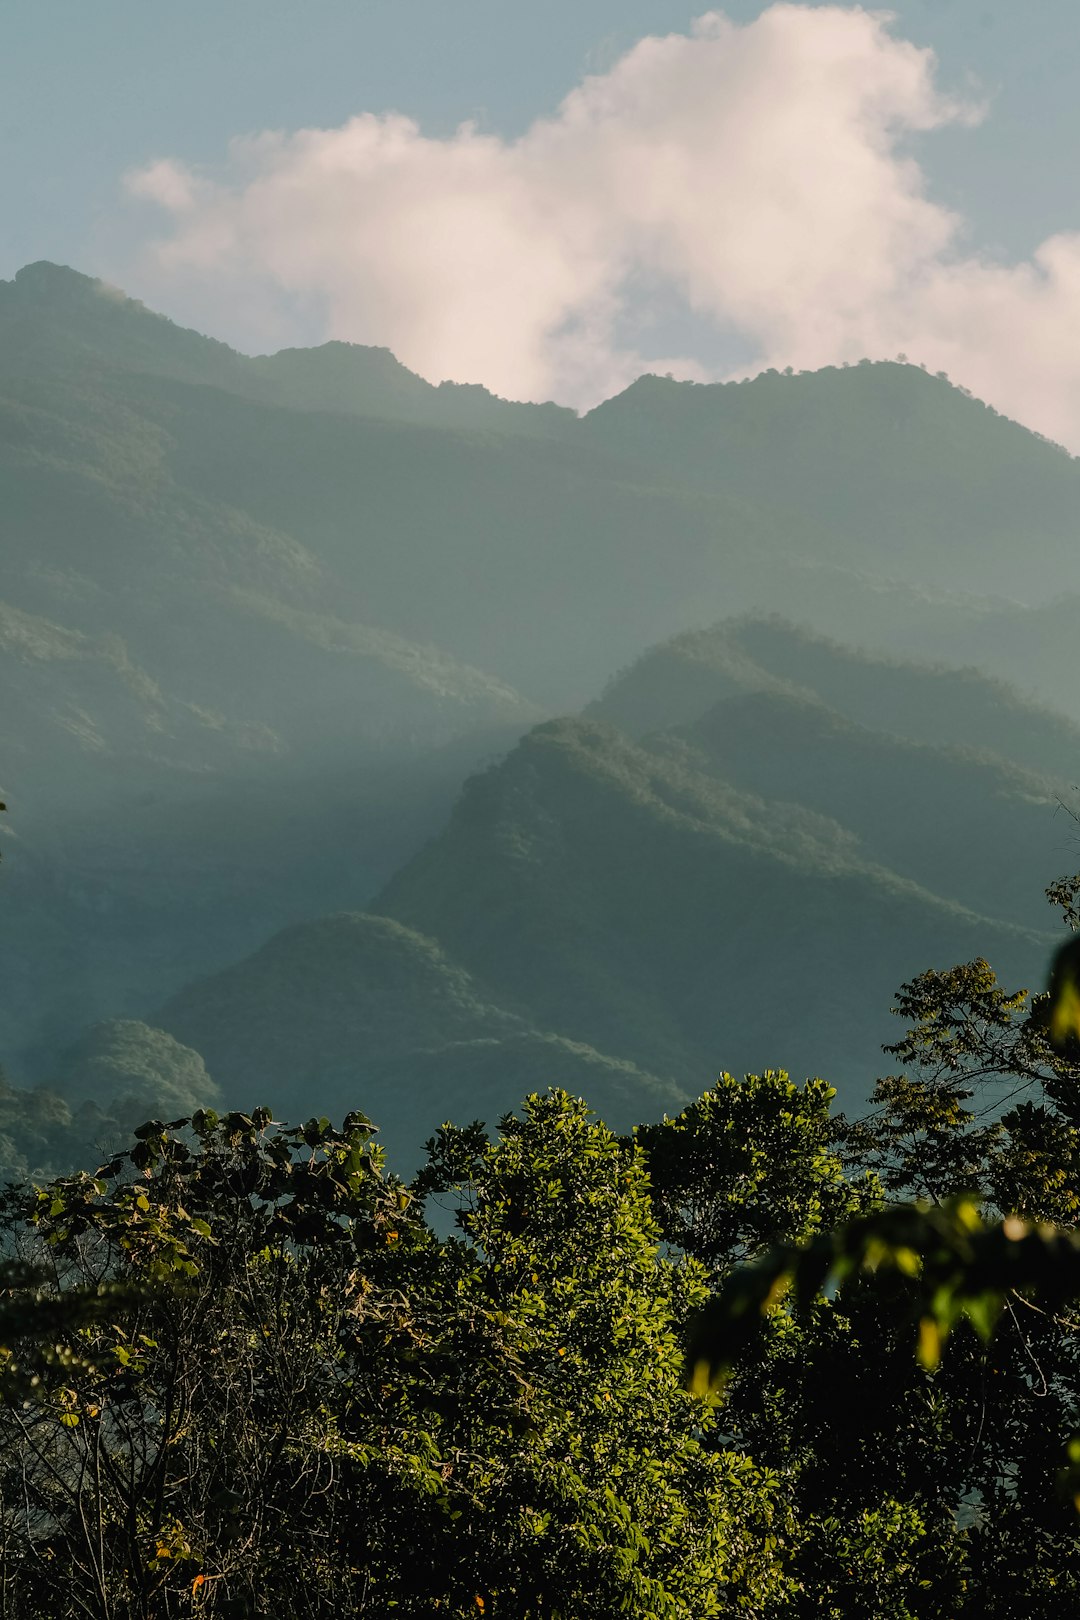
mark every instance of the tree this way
{"type": "Point", "coordinates": [977, 1280]}
{"type": "Point", "coordinates": [750, 1163]}
{"type": "Point", "coordinates": [313, 1402]}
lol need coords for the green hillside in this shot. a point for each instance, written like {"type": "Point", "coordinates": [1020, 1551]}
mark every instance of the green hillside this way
{"type": "Point", "coordinates": [991, 841]}
{"type": "Point", "coordinates": [56, 322]}
{"type": "Point", "coordinates": [625, 915]}
{"type": "Point", "coordinates": [517, 539]}
{"type": "Point", "coordinates": [675, 683]}
{"type": "Point", "coordinates": [894, 461]}
{"type": "Point", "coordinates": [357, 1011]}
{"type": "Point", "coordinates": [260, 616]}
{"type": "Point", "coordinates": [633, 900]}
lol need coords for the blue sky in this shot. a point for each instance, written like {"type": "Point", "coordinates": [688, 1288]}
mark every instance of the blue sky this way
{"type": "Point", "coordinates": [90, 92]}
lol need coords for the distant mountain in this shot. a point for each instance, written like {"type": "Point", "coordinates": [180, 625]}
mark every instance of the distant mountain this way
{"type": "Point", "coordinates": [258, 616]}
{"type": "Point", "coordinates": [630, 897]}
{"type": "Point", "coordinates": [56, 322]}
{"type": "Point", "coordinates": [119, 1074]}
{"type": "Point", "coordinates": [744, 886]}
{"type": "Point", "coordinates": [675, 683]}
{"type": "Point", "coordinates": [357, 1011]}
{"type": "Point", "coordinates": [202, 737]}
{"type": "Point", "coordinates": [136, 1071]}
{"type": "Point", "coordinates": [891, 464]}
{"type": "Point", "coordinates": [518, 540]}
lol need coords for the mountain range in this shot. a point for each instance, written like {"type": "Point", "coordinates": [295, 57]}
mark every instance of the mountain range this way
{"type": "Point", "coordinates": [261, 616]}
{"type": "Point", "coordinates": [633, 900]}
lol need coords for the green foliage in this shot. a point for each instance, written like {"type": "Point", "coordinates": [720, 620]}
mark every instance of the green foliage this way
{"type": "Point", "coordinates": [930, 1350]}
{"type": "Point", "coordinates": [247, 1370]}
{"type": "Point", "coordinates": [312, 1399]}
{"type": "Point", "coordinates": [110, 1080]}
{"type": "Point", "coordinates": [639, 1512]}
{"type": "Point", "coordinates": [882, 1562]}
{"type": "Point", "coordinates": [954, 1267]}
{"type": "Point", "coordinates": [749, 1164]}
{"type": "Point", "coordinates": [1063, 1012]}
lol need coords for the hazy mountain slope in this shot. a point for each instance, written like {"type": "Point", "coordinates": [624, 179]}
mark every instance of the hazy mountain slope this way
{"type": "Point", "coordinates": [357, 1011]}
{"type": "Point", "coordinates": [246, 600]}
{"type": "Point", "coordinates": [744, 888]}
{"type": "Point", "coordinates": [55, 321]}
{"type": "Point", "coordinates": [223, 610]}
{"type": "Point", "coordinates": [108, 908]}
{"type": "Point", "coordinates": [201, 737]}
{"type": "Point", "coordinates": [963, 824]}
{"type": "Point", "coordinates": [132, 1068]}
{"type": "Point", "coordinates": [675, 683]}
{"type": "Point", "coordinates": [547, 557]}
{"type": "Point", "coordinates": [524, 557]}
{"type": "Point", "coordinates": [897, 463]}
{"type": "Point", "coordinates": [69, 695]}
{"type": "Point", "coordinates": [359, 381]}
{"type": "Point", "coordinates": [631, 901]}
{"type": "Point", "coordinates": [662, 923]}
{"type": "Point", "coordinates": [1032, 647]}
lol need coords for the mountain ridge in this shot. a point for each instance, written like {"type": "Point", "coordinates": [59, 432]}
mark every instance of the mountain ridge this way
{"type": "Point", "coordinates": [670, 904]}
{"type": "Point", "coordinates": [252, 646]}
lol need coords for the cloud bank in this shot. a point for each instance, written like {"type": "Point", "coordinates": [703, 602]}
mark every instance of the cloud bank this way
{"type": "Point", "coordinates": [760, 174]}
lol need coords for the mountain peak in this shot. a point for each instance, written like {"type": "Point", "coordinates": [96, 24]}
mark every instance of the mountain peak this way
{"type": "Point", "coordinates": [46, 282]}
{"type": "Point", "coordinates": [54, 319]}
{"type": "Point", "coordinates": [45, 272]}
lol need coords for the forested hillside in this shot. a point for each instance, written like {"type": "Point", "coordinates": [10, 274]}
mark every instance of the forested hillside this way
{"type": "Point", "coordinates": [758, 869]}
{"type": "Point", "coordinates": [263, 616]}
{"type": "Point", "coordinates": [178, 466]}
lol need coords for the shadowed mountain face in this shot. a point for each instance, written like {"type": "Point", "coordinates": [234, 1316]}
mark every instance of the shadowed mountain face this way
{"type": "Point", "coordinates": [162, 488]}
{"type": "Point", "coordinates": [259, 617]}
{"type": "Point", "coordinates": [888, 462]}
{"type": "Point", "coordinates": [743, 887]}
{"type": "Point", "coordinates": [674, 684]}
{"type": "Point", "coordinates": [360, 1007]}
{"type": "Point", "coordinates": [56, 322]}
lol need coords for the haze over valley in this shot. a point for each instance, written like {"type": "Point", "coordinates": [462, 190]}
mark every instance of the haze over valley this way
{"type": "Point", "coordinates": [385, 743]}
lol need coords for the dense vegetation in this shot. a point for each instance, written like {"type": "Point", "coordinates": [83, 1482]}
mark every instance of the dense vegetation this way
{"type": "Point", "coordinates": [318, 1395]}
{"type": "Point", "coordinates": [246, 1370]}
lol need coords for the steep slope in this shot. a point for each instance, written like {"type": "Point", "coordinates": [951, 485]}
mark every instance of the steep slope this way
{"type": "Point", "coordinates": [963, 824]}
{"type": "Point", "coordinates": [199, 724]}
{"type": "Point", "coordinates": [102, 540]}
{"type": "Point", "coordinates": [899, 465]}
{"type": "Point", "coordinates": [746, 889]}
{"type": "Point", "coordinates": [246, 600]}
{"type": "Point", "coordinates": [133, 1069]}
{"type": "Point", "coordinates": [634, 901]}
{"type": "Point", "coordinates": [56, 322]}
{"type": "Point", "coordinates": [542, 549]}
{"type": "Point", "coordinates": [675, 683]}
{"type": "Point", "coordinates": [357, 1011]}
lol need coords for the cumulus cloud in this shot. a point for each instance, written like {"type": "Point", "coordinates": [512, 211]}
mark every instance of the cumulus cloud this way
{"type": "Point", "coordinates": [759, 173]}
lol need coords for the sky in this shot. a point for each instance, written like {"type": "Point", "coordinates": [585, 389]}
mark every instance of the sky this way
{"type": "Point", "coordinates": [553, 198]}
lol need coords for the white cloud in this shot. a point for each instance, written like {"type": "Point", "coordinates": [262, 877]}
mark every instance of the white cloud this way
{"type": "Point", "coordinates": [759, 172]}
